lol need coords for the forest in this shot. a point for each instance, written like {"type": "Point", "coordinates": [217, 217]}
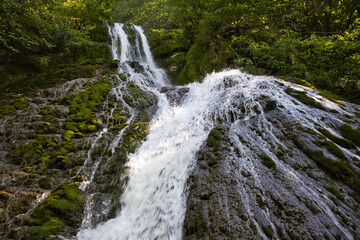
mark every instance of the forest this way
{"type": "Point", "coordinates": [312, 40]}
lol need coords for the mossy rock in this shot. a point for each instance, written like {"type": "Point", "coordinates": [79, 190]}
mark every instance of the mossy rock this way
{"type": "Point", "coordinates": [62, 208]}
{"type": "Point", "coordinates": [336, 193]}
{"type": "Point", "coordinates": [350, 133]}
{"type": "Point", "coordinates": [51, 227]}
{"type": "Point", "coordinates": [267, 161]}
{"type": "Point", "coordinates": [340, 141]}
{"type": "Point", "coordinates": [134, 135]}
{"type": "Point", "coordinates": [139, 98]}
{"type": "Point", "coordinates": [12, 106]}
{"type": "Point", "coordinates": [302, 97]}
{"type": "Point", "coordinates": [45, 183]}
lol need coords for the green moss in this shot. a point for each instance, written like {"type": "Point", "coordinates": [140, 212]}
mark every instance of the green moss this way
{"type": "Point", "coordinates": [312, 207]}
{"type": "Point", "coordinates": [340, 141]}
{"type": "Point", "coordinates": [71, 126]}
{"type": "Point", "coordinates": [138, 98]}
{"type": "Point", "coordinates": [46, 128]}
{"type": "Point", "coordinates": [268, 231]}
{"type": "Point", "coordinates": [91, 128]}
{"type": "Point", "coordinates": [117, 128]}
{"type": "Point", "coordinates": [350, 133]}
{"type": "Point", "coordinates": [52, 227]}
{"type": "Point", "coordinates": [335, 150]}
{"type": "Point", "coordinates": [12, 106]}
{"type": "Point", "coordinates": [336, 193]}
{"type": "Point", "coordinates": [68, 135]}
{"type": "Point", "coordinates": [302, 97]}
{"type": "Point", "coordinates": [339, 170]}
{"type": "Point", "coordinates": [45, 183]}
{"type": "Point", "coordinates": [83, 105]}
{"type": "Point", "coordinates": [196, 226]}
{"type": "Point", "coordinates": [65, 202]}
{"type": "Point", "coordinates": [270, 105]}
{"type": "Point", "coordinates": [214, 139]}
{"type": "Point", "coordinates": [36, 154]}
{"type": "Point", "coordinates": [267, 161]}
{"type": "Point", "coordinates": [134, 135]}
{"type": "Point", "coordinates": [253, 227]}
{"type": "Point", "coordinates": [260, 201]}
{"type": "Point", "coordinates": [6, 110]}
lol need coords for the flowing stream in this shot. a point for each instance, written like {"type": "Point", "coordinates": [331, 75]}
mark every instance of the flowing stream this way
{"type": "Point", "coordinates": [153, 202]}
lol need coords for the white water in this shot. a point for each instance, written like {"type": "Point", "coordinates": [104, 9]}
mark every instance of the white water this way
{"type": "Point", "coordinates": [153, 203]}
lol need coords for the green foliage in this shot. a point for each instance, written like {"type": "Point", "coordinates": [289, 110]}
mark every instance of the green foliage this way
{"type": "Point", "coordinates": [38, 25]}
{"type": "Point", "coordinates": [314, 40]}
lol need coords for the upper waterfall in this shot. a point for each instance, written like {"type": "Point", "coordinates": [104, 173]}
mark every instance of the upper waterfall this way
{"type": "Point", "coordinates": [135, 49]}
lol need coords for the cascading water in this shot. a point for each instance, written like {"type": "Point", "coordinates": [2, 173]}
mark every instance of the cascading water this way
{"type": "Point", "coordinates": [153, 202]}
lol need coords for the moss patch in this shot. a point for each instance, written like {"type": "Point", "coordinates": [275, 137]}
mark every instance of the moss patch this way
{"type": "Point", "coordinates": [62, 208]}
{"type": "Point", "coordinates": [51, 227]}
{"type": "Point", "coordinates": [267, 161]}
{"type": "Point", "coordinates": [136, 133]}
{"type": "Point", "coordinates": [302, 97]}
{"type": "Point", "coordinates": [340, 141]}
{"type": "Point", "coordinates": [339, 170]}
{"type": "Point", "coordinates": [12, 106]}
{"type": "Point", "coordinates": [350, 133]}
{"type": "Point", "coordinates": [214, 142]}
{"type": "Point", "coordinates": [336, 193]}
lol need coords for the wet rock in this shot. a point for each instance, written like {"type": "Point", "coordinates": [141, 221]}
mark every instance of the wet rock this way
{"type": "Point", "coordinates": [137, 66]}
{"type": "Point", "coordinates": [270, 184]}
{"type": "Point", "coordinates": [175, 94]}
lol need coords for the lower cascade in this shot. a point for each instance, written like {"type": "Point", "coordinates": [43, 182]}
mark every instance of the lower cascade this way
{"type": "Point", "coordinates": [236, 156]}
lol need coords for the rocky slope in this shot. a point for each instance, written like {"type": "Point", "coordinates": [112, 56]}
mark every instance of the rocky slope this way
{"type": "Point", "coordinates": [45, 146]}
{"type": "Point", "coordinates": [280, 165]}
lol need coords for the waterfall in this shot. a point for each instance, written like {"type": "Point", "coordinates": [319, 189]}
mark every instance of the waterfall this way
{"type": "Point", "coordinates": [154, 200]}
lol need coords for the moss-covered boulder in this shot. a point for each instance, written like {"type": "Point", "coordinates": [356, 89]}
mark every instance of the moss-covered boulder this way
{"type": "Point", "coordinates": [63, 208]}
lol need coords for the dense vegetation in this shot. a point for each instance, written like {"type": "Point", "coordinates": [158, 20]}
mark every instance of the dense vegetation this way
{"type": "Point", "coordinates": [41, 41]}
{"type": "Point", "coordinates": [316, 40]}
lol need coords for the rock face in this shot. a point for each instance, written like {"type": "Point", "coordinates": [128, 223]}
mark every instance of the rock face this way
{"type": "Point", "coordinates": [272, 176]}
{"type": "Point", "coordinates": [51, 145]}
